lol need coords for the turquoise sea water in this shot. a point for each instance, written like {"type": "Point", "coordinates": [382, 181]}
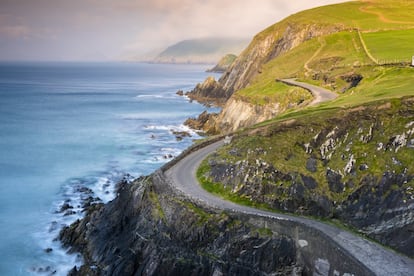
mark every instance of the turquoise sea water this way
{"type": "Point", "coordinates": [66, 127]}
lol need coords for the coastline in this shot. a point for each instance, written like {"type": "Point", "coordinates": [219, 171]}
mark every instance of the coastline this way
{"type": "Point", "coordinates": [83, 127]}
{"type": "Point", "coordinates": [155, 198]}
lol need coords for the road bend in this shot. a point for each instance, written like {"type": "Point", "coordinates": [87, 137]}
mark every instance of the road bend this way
{"type": "Point", "coordinates": [320, 94]}
{"type": "Point", "coordinates": [376, 258]}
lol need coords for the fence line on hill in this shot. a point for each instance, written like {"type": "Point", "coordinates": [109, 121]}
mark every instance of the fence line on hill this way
{"type": "Point", "coordinates": [395, 61]}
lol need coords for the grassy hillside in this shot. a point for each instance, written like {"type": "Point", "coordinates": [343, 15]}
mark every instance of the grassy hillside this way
{"type": "Point", "coordinates": [374, 33]}
{"type": "Point", "coordinates": [350, 159]}
{"type": "Point", "coordinates": [391, 45]}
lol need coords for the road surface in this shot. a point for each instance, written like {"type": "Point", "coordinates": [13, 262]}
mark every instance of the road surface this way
{"type": "Point", "coordinates": [320, 94]}
{"type": "Point", "coordinates": [379, 260]}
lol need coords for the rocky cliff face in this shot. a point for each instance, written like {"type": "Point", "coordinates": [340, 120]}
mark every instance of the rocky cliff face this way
{"type": "Point", "coordinates": [270, 43]}
{"type": "Point", "coordinates": [150, 230]}
{"type": "Point", "coordinates": [238, 114]}
{"type": "Point", "coordinates": [355, 167]}
{"type": "Point", "coordinates": [209, 92]}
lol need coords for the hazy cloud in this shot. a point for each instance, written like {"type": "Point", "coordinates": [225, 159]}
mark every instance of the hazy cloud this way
{"type": "Point", "coordinates": [61, 29]}
{"type": "Point", "coordinates": [15, 31]}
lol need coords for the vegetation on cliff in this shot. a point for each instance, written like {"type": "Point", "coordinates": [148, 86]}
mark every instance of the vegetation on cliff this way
{"type": "Point", "coordinates": [149, 229]}
{"type": "Point", "coordinates": [351, 48]}
{"type": "Point", "coordinates": [349, 159]}
{"type": "Point", "coordinates": [354, 165]}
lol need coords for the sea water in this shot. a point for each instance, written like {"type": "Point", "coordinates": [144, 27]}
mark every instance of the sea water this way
{"type": "Point", "coordinates": [67, 128]}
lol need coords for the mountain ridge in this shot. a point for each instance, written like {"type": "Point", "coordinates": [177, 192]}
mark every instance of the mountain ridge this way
{"type": "Point", "coordinates": [204, 50]}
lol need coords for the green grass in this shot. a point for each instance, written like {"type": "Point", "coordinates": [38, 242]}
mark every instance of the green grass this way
{"type": "Point", "coordinates": [391, 45]}
{"type": "Point", "coordinates": [379, 82]}
{"type": "Point", "coordinates": [157, 212]}
{"type": "Point", "coordinates": [345, 47]}
{"type": "Point", "coordinates": [359, 14]}
{"type": "Point", "coordinates": [218, 190]}
{"type": "Point", "coordinates": [284, 145]}
{"type": "Point", "coordinates": [330, 57]}
{"type": "Point", "coordinates": [324, 61]}
{"type": "Point", "coordinates": [354, 14]}
{"type": "Point", "coordinates": [387, 28]}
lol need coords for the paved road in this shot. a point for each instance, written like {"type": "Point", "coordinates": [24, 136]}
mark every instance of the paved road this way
{"type": "Point", "coordinates": [376, 258]}
{"type": "Point", "coordinates": [320, 94]}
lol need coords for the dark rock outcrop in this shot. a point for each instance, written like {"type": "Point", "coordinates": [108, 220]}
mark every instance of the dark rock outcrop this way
{"type": "Point", "coordinates": [356, 167]}
{"type": "Point", "coordinates": [209, 92]}
{"type": "Point", "coordinates": [149, 230]}
{"type": "Point", "coordinates": [204, 122]}
{"type": "Point", "coordinates": [352, 79]}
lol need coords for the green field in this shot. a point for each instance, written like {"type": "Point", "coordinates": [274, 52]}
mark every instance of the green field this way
{"type": "Point", "coordinates": [391, 45]}
{"type": "Point", "coordinates": [366, 16]}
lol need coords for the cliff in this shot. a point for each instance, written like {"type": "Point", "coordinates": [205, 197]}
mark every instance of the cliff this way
{"type": "Point", "coordinates": [271, 43]}
{"type": "Point", "coordinates": [349, 161]}
{"type": "Point", "coordinates": [237, 114]}
{"type": "Point", "coordinates": [150, 229]}
{"type": "Point", "coordinates": [355, 167]}
{"type": "Point", "coordinates": [267, 45]}
{"type": "Point", "coordinates": [330, 46]}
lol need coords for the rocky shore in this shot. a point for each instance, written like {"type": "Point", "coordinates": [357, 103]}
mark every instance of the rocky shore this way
{"type": "Point", "coordinates": [150, 229]}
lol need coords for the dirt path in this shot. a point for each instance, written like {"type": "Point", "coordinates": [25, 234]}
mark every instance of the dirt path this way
{"type": "Point", "coordinates": [306, 65]}
{"type": "Point", "coordinates": [381, 17]}
{"type": "Point", "coordinates": [364, 46]}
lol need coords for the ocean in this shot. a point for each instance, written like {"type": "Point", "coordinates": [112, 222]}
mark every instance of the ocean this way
{"type": "Point", "coordinates": [73, 130]}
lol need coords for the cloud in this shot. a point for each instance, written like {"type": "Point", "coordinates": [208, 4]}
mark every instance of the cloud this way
{"type": "Point", "coordinates": [18, 31]}
{"type": "Point", "coordinates": [155, 6]}
{"type": "Point", "coordinates": [175, 20]}
{"type": "Point", "coordinates": [77, 27]}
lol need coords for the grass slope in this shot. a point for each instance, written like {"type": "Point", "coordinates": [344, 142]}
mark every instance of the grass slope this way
{"type": "Point", "coordinates": [387, 30]}
{"type": "Point", "coordinates": [391, 45]}
{"type": "Point", "coordinates": [379, 107]}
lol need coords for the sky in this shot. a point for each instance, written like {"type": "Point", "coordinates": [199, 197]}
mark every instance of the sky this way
{"type": "Point", "coordinates": [104, 30]}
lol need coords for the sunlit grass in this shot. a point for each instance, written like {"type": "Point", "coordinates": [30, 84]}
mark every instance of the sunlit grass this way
{"type": "Point", "coordinates": [391, 45]}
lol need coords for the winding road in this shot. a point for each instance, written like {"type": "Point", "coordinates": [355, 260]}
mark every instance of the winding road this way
{"type": "Point", "coordinates": [377, 259]}
{"type": "Point", "coordinates": [320, 94]}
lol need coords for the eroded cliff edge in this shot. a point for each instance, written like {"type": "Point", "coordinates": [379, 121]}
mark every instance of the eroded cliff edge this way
{"type": "Point", "coordinates": [354, 166]}
{"type": "Point", "coordinates": [267, 45]}
{"type": "Point", "coordinates": [150, 229]}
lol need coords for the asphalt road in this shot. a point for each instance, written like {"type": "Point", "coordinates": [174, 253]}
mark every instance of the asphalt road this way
{"type": "Point", "coordinates": [379, 260]}
{"type": "Point", "coordinates": [320, 94]}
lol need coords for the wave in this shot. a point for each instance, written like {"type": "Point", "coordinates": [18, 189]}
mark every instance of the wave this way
{"type": "Point", "coordinates": [157, 96]}
{"type": "Point", "coordinates": [171, 128]}
{"type": "Point", "coordinates": [76, 195]}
